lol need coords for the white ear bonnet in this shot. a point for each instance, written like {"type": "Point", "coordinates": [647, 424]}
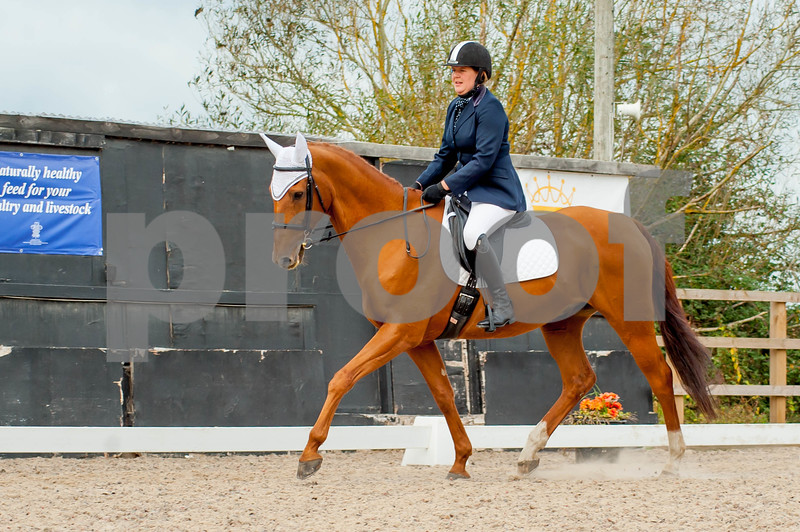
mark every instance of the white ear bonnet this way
{"type": "Point", "coordinates": [289, 157]}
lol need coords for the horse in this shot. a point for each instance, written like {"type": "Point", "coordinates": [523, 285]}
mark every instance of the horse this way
{"type": "Point", "coordinates": [408, 299]}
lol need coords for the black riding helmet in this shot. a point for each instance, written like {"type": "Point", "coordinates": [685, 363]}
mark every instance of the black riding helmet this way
{"type": "Point", "coordinates": [472, 54]}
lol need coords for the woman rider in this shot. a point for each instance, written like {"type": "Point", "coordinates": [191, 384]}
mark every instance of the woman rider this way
{"type": "Point", "coordinates": [475, 141]}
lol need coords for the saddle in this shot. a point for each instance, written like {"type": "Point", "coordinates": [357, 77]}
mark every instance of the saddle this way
{"type": "Point", "coordinates": [456, 214]}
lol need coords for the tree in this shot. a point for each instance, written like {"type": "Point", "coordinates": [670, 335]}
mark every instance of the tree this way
{"type": "Point", "coordinates": [721, 95]}
{"type": "Point", "coordinates": [717, 80]}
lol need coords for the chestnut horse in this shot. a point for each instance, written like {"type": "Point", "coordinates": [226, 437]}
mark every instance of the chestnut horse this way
{"type": "Point", "coordinates": [407, 297]}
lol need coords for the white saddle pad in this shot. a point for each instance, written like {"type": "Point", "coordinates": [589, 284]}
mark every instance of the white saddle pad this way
{"type": "Point", "coordinates": [528, 253]}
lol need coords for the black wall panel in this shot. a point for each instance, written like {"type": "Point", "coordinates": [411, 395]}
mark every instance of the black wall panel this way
{"type": "Point", "coordinates": [229, 388]}
{"type": "Point", "coordinates": [410, 393]}
{"type": "Point", "coordinates": [48, 324]}
{"type": "Point", "coordinates": [63, 387]}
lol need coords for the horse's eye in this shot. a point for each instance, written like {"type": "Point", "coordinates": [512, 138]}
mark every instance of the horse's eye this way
{"type": "Point", "coordinates": [297, 196]}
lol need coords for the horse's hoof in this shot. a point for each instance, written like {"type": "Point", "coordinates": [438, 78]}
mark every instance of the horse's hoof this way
{"type": "Point", "coordinates": [669, 472]}
{"type": "Point", "coordinates": [526, 467]}
{"type": "Point", "coordinates": [306, 469]}
{"type": "Point", "coordinates": [458, 476]}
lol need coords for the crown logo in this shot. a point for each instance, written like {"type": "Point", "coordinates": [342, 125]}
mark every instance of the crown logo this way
{"type": "Point", "coordinates": [549, 197]}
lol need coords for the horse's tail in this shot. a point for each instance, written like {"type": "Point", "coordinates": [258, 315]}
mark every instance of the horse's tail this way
{"type": "Point", "coordinates": [689, 357]}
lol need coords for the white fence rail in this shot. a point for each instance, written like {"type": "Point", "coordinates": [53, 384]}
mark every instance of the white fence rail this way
{"type": "Point", "coordinates": [427, 442]}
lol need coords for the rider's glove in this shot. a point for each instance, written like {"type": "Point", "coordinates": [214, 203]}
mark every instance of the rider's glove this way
{"type": "Point", "coordinates": [434, 193]}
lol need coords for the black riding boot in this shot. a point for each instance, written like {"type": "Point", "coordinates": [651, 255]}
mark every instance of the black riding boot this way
{"type": "Point", "coordinates": [500, 311]}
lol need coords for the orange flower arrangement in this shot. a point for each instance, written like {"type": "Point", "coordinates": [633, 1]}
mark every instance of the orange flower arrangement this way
{"type": "Point", "coordinates": [599, 409]}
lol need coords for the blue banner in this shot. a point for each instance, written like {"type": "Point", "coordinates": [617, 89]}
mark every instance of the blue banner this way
{"type": "Point", "coordinates": [50, 204]}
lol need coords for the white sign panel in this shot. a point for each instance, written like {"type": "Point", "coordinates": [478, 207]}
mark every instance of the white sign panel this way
{"type": "Point", "coordinates": [548, 190]}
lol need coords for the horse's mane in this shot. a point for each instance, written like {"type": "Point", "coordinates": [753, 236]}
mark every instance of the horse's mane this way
{"type": "Point", "coordinates": [357, 161]}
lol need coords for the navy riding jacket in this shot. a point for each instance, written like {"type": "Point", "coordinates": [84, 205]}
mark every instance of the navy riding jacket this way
{"type": "Point", "coordinates": [479, 150]}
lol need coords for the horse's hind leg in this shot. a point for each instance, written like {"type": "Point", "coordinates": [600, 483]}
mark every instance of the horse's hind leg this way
{"type": "Point", "coordinates": [564, 341]}
{"type": "Point", "coordinates": [640, 339]}
{"type": "Point", "coordinates": [430, 364]}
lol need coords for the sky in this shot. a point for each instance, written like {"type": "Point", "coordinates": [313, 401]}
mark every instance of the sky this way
{"type": "Point", "coordinates": [125, 60]}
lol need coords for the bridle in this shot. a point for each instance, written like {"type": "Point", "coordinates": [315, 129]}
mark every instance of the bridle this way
{"type": "Point", "coordinates": [311, 186]}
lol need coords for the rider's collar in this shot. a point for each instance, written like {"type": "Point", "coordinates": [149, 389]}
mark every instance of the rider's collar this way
{"type": "Point", "coordinates": [479, 94]}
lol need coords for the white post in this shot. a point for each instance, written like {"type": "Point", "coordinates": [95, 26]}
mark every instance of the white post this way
{"type": "Point", "coordinates": [440, 449]}
{"type": "Point", "coordinates": [603, 79]}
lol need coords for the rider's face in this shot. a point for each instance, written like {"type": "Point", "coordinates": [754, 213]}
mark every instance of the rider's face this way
{"type": "Point", "coordinates": [463, 79]}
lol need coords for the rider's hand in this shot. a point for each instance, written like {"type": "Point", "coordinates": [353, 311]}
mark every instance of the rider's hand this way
{"type": "Point", "coordinates": [434, 193]}
{"type": "Point", "coordinates": [416, 186]}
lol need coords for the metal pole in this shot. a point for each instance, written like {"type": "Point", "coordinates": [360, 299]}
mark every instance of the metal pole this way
{"type": "Point", "coordinates": [603, 79]}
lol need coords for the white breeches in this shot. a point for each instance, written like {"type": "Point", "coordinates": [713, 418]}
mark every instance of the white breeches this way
{"type": "Point", "coordinates": [484, 218]}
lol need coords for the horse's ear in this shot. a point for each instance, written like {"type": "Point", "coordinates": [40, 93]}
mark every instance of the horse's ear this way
{"type": "Point", "coordinates": [273, 146]}
{"type": "Point", "coordinates": [300, 149]}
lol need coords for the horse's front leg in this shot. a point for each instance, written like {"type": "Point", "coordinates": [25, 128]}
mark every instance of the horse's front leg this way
{"type": "Point", "coordinates": [430, 364]}
{"type": "Point", "coordinates": [388, 342]}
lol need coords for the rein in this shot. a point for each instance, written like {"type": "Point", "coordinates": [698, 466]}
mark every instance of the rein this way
{"type": "Point", "coordinates": [311, 186]}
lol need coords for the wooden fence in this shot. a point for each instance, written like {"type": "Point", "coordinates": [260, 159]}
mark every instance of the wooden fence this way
{"type": "Point", "coordinates": [777, 343]}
